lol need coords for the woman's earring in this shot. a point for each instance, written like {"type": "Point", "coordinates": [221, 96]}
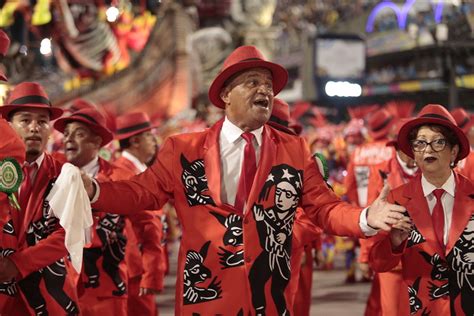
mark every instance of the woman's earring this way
{"type": "Point", "coordinates": [452, 164]}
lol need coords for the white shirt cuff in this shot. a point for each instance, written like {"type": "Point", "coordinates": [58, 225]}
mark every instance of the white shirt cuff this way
{"type": "Point", "coordinates": [366, 229]}
{"type": "Point", "coordinates": [97, 191]}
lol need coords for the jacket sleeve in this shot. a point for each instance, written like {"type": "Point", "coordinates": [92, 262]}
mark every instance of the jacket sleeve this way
{"type": "Point", "coordinates": [149, 190]}
{"type": "Point", "coordinates": [44, 253]}
{"type": "Point", "coordinates": [322, 205]}
{"type": "Point", "coordinates": [148, 230]}
{"type": "Point", "coordinates": [382, 256]}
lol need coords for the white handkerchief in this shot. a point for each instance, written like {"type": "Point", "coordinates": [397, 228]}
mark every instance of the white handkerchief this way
{"type": "Point", "coordinates": [69, 202]}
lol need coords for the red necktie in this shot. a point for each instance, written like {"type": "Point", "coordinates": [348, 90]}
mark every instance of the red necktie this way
{"type": "Point", "coordinates": [249, 168]}
{"type": "Point", "coordinates": [438, 217]}
{"type": "Point", "coordinates": [27, 184]}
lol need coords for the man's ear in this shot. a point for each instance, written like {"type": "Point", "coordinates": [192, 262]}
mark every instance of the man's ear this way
{"type": "Point", "coordinates": [225, 95]}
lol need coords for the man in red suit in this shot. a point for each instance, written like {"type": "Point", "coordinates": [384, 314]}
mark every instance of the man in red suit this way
{"type": "Point", "coordinates": [236, 188]}
{"type": "Point", "coordinates": [33, 267]}
{"type": "Point", "coordinates": [146, 269]}
{"type": "Point", "coordinates": [104, 275]}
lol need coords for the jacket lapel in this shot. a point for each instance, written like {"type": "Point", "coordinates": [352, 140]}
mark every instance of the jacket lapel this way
{"type": "Point", "coordinates": [268, 154]}
{"type": "Point", "coordinates": [46, 172]}
{"type": "Point", "coordinates": [105, 170]}
{"type": "Point", "coordinates": [462, 210]}
{"type": "Point", "coordinates": [212, 162]}
{"type": "Point", "coordinates": [417, 208]}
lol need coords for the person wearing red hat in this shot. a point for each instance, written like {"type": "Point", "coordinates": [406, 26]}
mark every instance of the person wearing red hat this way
{"type": "Point", "coordinates": [147, 263]}
{"type": "Point", "coordinates": [388, 295]}
{"type": "Point", "coordinates": [236, 188]}
{"type": "Point", "coordinates": [364, 156]}
{"type": "Point", "coordinates": [104, 276]}
{"type": "Point", "coordinates": [466, 123]}
{"type": "Point", "coordinates": [41, 277]}
{"type": "Point", "coordinates": [436, 253]}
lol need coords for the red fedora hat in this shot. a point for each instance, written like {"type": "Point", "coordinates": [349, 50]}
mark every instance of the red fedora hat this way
{"type": "Point", "coordinates": [4, 45]}
{"type": "Point", "coordinates": [81, 104]}
{"type": "Point", "coordinates": [433, 114]}
{"type": "Point", "coordinates": [243, 58]}
{"type": "Point", "coordinates": [92, 118]}
{"type": "Point", "coordinates": [29, 95]}
{"type": "Point", "coordinates": [280, 118]}
{"type": "Point", "coordinates": [463, 119]}
{"type": "Point", "coordinates": [396, 130]}
{"type": "Point", "coordinates": [379, 124]}
{"type": "Point", "coordinates": [131, 124]}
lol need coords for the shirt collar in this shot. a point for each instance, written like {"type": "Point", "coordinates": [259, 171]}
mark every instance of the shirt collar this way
{"type": "Point", "coordinates": [92, 167]}
{"type": "Point", "coordinates": [403, 165]}
{"type": "Point", "coordinates": [137, 163]}
{"type": "Point", "coordinates": [449, 186]}
{"type": "Point", "coordinates": [231, 132]}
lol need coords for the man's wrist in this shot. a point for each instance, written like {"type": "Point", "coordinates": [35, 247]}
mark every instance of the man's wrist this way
{"type": "Point", "coordinates": [367, 219]}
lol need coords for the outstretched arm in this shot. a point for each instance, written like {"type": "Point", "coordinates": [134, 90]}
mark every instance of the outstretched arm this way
{"type": "Point", "coordinates": [147, 191]}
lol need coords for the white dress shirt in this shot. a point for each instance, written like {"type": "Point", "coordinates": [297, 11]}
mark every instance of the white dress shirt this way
{"type": "Point", "coordinates": [447, 200]}
{"type": "Point", "coordinates": [137, 163]}
{"type": "Point", "coordinates": [92, 168]}
{"type": "Point", "coordinates": [232, 156]}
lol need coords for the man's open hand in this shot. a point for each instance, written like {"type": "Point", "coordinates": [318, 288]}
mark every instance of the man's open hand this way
{"type": "Point", "coordinates": [383, 215]}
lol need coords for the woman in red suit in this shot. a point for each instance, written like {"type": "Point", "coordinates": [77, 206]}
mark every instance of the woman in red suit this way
{"type": "Point", "coordinates": [437, 255]}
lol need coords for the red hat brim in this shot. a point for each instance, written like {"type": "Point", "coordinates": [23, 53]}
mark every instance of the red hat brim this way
{"type": "Point", "coordinates": [405, 146]}
{"type": "Point", "coordinates": [133, 133]}
{"type": "Point", "coordinates": [8, 108]}
{"type": "Point", "coordinates": [103, 132]}
{"type": "Point", "coordinates": [279, 76]}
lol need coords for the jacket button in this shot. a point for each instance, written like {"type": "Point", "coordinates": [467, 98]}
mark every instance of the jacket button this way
{"type": "Point", "coordinates": [248, 259]}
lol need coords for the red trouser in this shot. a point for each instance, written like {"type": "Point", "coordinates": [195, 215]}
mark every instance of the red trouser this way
{"type": "Point", "coordinates": [93, 306]}
{"type": "Point", "coordinates": [302, 302]}
{"type": "Point", "coordinates": [140, 305]}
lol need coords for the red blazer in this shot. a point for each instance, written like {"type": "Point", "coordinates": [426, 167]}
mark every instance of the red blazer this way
{"type": "Point", "coordinates": [34, 241]}
{"type": "Point", "coordinates": [358, 170]}
{"type": "Point", "coordinates": [145, 254]}
{"type": "Point", "coordinates": [226, 258]}
{"type": "Point", "coordinates": [104, 272]}
{"type": "Point", "coordinates": [439, 282]}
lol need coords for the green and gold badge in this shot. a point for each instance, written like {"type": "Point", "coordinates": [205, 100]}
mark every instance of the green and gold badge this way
{"type": "Point", "coordinates": [10, 178]}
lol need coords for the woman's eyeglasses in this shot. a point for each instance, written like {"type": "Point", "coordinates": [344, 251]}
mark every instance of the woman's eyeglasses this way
{"type": "Point", "coordinates": [437, 144]}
